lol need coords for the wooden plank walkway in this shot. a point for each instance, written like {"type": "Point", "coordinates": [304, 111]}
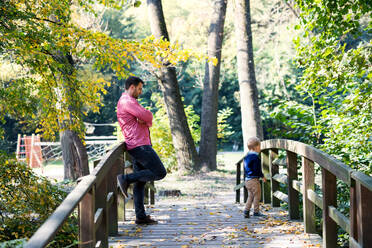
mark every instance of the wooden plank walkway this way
{"type": "Point", "coordinates": [206, 216]}
{"type": "Point", "coordinates": [213, 222]}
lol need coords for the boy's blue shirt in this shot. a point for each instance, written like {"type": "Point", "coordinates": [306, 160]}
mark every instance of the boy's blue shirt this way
{"type": "Point", "coordinates": [252, 166]}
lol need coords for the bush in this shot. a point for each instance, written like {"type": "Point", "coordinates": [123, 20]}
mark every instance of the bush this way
{"type": "Point", "coordinates": [26, 201]}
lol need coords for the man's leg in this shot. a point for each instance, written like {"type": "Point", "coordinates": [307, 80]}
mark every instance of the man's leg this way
{"type": "Point", "coordinates": [147, 167]}
{"type": "Point", "coordinates": [153, 169]}
{"type": "Point", "coordinates": [139, 193]}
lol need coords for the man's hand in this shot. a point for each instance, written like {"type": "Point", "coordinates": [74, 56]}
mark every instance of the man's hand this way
{"type": "Point", "coordinates": [264, 179]}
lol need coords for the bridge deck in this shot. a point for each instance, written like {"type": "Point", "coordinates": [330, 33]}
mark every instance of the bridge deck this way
{"type": "Point", "coordinates": [209, 218]}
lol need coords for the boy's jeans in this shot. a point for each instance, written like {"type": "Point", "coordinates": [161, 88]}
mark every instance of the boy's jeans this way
{"type": "Point", "coordinates": [254, 194]}
{"type": "Point", "coordinates": [147, 167]}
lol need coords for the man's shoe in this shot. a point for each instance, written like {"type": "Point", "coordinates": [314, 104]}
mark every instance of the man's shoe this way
{"type": "Point", "coordinates": [146, 221]}
{"type": "Point", "coordinates": [258, 214]}
{"type": "Point", "coordinates": [246, 213]}
{"type": "Point", "coordinates": [123, 185]}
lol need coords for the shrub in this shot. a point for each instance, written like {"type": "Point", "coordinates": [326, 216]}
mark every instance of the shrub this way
{"type": "Point", "coordinates": [26, 201]}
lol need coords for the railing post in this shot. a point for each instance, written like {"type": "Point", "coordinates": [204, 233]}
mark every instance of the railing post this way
{"type": "Point", "coordinates": [87, 236]}
{"type": "Point", "coordinates": [308, 178]}
{"type": "Point", "coordinates": [266, 171]}
{"type": "Point", "coordinates": [146, 200]}
{"type": "Point", "coordinates": [245, 191]}
{"type": "Point", "coordinates": [292, 193]}
{"type": "Point", "coordinates": [274, 169]}
{"type": "Point", "coordinates": [360, 214]}
{"type": "Point", "coordinates": [101, 202]}
{"type": "Point", "coordinates": [238, 174]}
{"type": "Point", "coordinates": [127, 158]}
{"type": "Point", "coordinates": [113, 187]}
{"type": "Point", "coordinates": [152, 194]}
{"type": "Point", "coordinates": [353, 213]}
{"type": "Point", "coordinates": [329, 199]}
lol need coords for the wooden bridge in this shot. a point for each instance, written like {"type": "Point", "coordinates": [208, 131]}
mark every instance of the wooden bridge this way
{"type": "Point", "coordinates": [217, 221]}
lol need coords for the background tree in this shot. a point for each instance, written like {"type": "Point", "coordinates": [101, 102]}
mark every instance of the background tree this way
{"type": "Point", "coordinates": [184, 145]}
{"type": "Point", "coordinates": [251, 119]}
{"type": "Point", "coordinates": [208, 142]}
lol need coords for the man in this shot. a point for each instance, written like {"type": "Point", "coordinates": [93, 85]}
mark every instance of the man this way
{"type": "Point", "coordinates": [135, 122]}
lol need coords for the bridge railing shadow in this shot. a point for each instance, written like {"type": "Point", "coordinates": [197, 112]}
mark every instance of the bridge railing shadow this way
{"type": "Point", "coordinates": [358, 225]}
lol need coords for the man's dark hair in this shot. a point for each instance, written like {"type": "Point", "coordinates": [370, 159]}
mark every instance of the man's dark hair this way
{"type": "Point", "coordinates": [132, 80]}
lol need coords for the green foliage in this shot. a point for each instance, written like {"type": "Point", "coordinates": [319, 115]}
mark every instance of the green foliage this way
{"type": "Point", "coordinates": [26, 201]}
{"type": "Point", "coordinates": [224, 129]}
{"type": "Point", "coordinates": [17, 243]}
{"type": "Point", "coordinates": [335, 54]}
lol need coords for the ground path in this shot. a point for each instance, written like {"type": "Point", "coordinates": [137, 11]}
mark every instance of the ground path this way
{"type": "Point", "coordinates": [206, 216]}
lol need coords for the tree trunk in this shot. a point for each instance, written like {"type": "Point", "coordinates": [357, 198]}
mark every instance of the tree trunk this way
{"type": "Point", "coordinates": [184, 145]}
{"type": "Point", "coordinates": [74, 155]}
{"type": "Point", "coordinates": [208, 141]}
{"type": "Point", "coordinates": [251, 118]}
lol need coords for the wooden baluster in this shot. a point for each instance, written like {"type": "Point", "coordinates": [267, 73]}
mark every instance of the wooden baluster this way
{"type": "Point", "coordinates": [238, 175]}
{"type": "Point", "coordinates": [361, 211]}
{"type": "Point", "coordinates": [146, 199]}
{"type": "Point", "coordinates": [266, 189]}
{"type": "Point", "coordinates": [112, 186]}
{"type": "Point", "coordinates": [292, 193]}
{"type": "Point", "coordinates": [364, 215]}
{"type": "Point", "coordinates": [101, 202]}
{"type": "Point", "coordinates": [274, 169]}
{"type": "Point", "coordinates": [329, 199]}
{"type": "Point", "coordinates": [245, 191]}
{"type": "Point", "coordinates": [152, 194]}
{"type": "Point", "coordinates": [308, 177]}
{"type": "Point", "coordinates": [127, 202]}
{"type": "Point", "coordinates": [87, 237]}
{"type": "Point", "coordinates": [353, 212]}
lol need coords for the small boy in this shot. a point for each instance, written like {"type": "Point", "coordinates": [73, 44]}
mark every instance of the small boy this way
{"type": "Point", "coordinates": [252, 173]}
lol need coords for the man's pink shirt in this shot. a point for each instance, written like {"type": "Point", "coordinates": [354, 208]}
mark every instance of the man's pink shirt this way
{"type": "Point", "coordinates": [128, 113]}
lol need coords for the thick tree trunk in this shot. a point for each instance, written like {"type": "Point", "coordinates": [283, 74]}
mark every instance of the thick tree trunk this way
{"type": "Point", "coordinates": [74, 155]}
{"type": "Point", "coordinates": [184, 145]}
{"type": "Point", "coordinates": [251, 119]}
{"type": "Point", "coordinates": [208, 141]}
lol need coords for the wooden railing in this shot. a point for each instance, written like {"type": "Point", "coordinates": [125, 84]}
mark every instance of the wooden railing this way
{"type": "Point", "coordinates": [96, 197]}
{"type": "Point", "coordinates": [359, 225]}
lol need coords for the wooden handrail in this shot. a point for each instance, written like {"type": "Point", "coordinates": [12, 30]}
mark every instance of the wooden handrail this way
{"type": "Point", "coordinates": [359, 225]}
{"type": "Point", "coordinates": [97, 197]}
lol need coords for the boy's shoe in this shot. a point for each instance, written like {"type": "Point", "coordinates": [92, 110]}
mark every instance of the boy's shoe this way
{"type": "Point", "coordinates": [258, 214]}
{"type": "Point", "coordinates": [123, 185]}
{"type": "Point", "coordinates": [246, 213]}
{"type": "Point", "coordinates": [146, 221]}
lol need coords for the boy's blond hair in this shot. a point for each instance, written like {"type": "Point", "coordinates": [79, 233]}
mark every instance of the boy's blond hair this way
{"type": "Point", "coordinates": [253, 142]}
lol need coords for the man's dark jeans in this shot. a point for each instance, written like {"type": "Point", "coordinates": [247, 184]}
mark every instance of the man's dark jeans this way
{"type": "Point", "coordinates": [147, 167]}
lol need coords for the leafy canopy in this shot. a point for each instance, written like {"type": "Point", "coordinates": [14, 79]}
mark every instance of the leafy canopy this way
{"type": "Point", "coordinates": [43, 38]}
